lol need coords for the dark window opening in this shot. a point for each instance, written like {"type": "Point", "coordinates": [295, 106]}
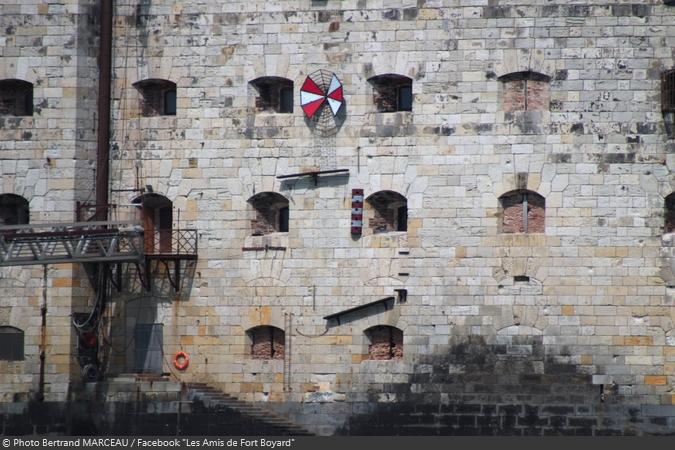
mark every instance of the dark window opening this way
{"type": "Point", "coordinates": [525, 91]}
{"type": "Point", "coordinates": [405, 98]}
{"type": "Point", "coordinates": [402, 218]}
{"type": "Point", "coordinates": [392, 92]}
{"type": "Point", "coordinates": [275, 94]}
{"type": "Point", "coordinates": [669, 225]}
{"type": "Point", "coordinates": [11, 343]}
{"type": "Point", "coordinates": [286, 100]}
{"type": "Point", "coordinates": [668, 101]}
{"type": "Point", "coordinates": [267, 342]}
{"type": "Point", "coordinates": [385, 342]}
{"type": "Point", "coordinates": [523, 212]}
{"type": "Point", "coordinates": [16, 98]}
{"type": "Point", "coordinates": [283, 219]}
{"type": "Point", "coordinates": [170, 102]}
{"type": "Point", "coordinates": [158, 97]}
{"type": "Point", "coordinates": [271, 213]}
{"type": "Point", "coordinates": [521, 279]}
{"type": "Point", "coordinates": [13, 210]}
{"type": "Point", "coordinates": [389, 212]}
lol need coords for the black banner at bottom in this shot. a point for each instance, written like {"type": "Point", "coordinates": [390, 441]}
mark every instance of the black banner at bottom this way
{"type": "Point", "coordinates": [334, 443]}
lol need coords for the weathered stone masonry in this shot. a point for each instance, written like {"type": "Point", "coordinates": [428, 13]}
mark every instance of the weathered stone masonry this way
{"type": "Point", "coordinates": [47, 157]}
{"type": "Point", "coordinates": [567, 328]}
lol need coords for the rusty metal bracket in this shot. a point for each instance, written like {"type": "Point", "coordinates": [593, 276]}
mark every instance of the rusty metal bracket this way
{"type": "Point", "coordinates": [262, 249]}
{"type": "Point", "coordinates": [175, 280]}
{"type": "Point", "coordinates": [143, 271]}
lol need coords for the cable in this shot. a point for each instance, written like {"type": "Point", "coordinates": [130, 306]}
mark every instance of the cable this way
{"type": "Point", "coordinates": [312, 335]}
{"type": "Point", "coordinates": [96, 310]}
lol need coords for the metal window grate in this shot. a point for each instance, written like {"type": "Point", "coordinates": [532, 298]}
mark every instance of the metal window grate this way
{"type": "Point", "coordinates": [668, 91]}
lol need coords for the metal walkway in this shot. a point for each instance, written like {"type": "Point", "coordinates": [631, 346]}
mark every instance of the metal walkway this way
{"type": "Point", "coordinates": [79, 242]}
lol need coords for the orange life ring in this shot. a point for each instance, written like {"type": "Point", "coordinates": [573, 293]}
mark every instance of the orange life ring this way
{"type": "Point", "coordinates": [181, 365]}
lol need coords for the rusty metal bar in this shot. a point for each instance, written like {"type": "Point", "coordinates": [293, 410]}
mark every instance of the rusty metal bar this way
{"type": "Point", "coordinates": [262, 249]}
{"type": "Point", "coordinates": [105, 64]}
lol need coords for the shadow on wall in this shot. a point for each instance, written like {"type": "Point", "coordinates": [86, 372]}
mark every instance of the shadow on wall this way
{"type": "Point", "coordinates": [509, 387]}
{"type": "Point", "coordinates": [137, 332]}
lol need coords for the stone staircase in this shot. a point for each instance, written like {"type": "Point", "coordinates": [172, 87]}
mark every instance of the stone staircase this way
{"type": "Point", "coordinates": [216, 400]}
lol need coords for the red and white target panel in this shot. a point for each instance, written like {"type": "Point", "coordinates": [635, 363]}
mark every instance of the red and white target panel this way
{"type": "Point", "coordinates": [357, 210]}
{"type": "Point", "coordinates": [321, 90]}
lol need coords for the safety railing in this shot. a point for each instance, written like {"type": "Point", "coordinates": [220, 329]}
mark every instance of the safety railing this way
{"type": "Point", "coordinates": [176, 243]}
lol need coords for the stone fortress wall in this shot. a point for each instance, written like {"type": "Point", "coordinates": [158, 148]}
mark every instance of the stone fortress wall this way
{"type": "Point", "coordinates": [565, 328]}
{"type": "Point", "coordinates": [48, 158]}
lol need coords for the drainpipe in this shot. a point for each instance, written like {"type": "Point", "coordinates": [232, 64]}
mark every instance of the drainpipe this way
{"type": "Point", "coordinates": [43, 337]}
{"type": "Point", "coordinates": [104, 65]}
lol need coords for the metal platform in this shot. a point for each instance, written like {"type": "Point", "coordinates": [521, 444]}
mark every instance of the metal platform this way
{"type": "Point", "coordinates": [79, 242]}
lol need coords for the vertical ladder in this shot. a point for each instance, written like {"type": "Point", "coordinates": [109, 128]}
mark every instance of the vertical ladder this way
{"type": "Point", "coordinates": [288, 334]}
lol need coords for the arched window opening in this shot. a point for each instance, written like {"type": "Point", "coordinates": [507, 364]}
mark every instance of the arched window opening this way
{"type": "Point", "coordinates": [523, 212]}
{"type": "Point", "coordinates": [390, 212]}
{"type": "Point", "coordinates": [392, 92]}
{"type": "Point", "coordinates": [525, 91]}
{"type": "Point", "coordinates": [668, 101]}
{"type": "Point", "coordinates": [16, 98]}
{"type": "Point", "coordinates": [275, 94]}
{"type": "Point", "coordinates": [669, 225]}
{"type": "Point", "coordinates": [11, 343]}
{"type": "Point", "coordinates": [157, 218]}
{"type": "Point", "coordinates": [384, 342]}
{"type": "Point", "coordinates": [271, 213]}
{"type": "Point", "coordinates": [13, 210]}
{"type": "Point", "coordinates": [267, 342]}
{"type": "Point", "coordinates": [158, 97]}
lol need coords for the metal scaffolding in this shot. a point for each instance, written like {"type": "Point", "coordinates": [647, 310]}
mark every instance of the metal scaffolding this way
{"type": "Point", "coordinates": [79, 242]}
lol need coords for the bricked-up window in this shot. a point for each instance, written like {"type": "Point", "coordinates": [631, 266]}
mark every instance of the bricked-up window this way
{"type": "Point", "coordinates": [390, 212]}
{"type": "Point", "coordinates": [525, 91]}
{"type": "Point", "coordinates": [11, 343]}
{"type": "Point", "coordinates": [267, 342]}
{"type": "Point", "coordinates": [16, 98]}
{"type": "Point", "coordinates": [275, 94]}
{"type": "Point", "coordinates": [523, 212]}
{"type": "Point", "coordinates": [668, 101]}
{"type": "Point", "coordinates": [158, 97]}
{"type": "Point", "coordinates": [669, 226]}
{"type": "Point", "coordinates": [392, 92]}
{"type": "Point", "coordinates": [271, 213]}
{"type": "Point", "coordinates": [384, 342]}
{"type": "Point", "coordinates": [13, 210]}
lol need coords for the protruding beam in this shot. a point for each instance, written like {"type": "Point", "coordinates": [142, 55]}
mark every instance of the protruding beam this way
{"type": "Point", "coordinates": [314, 174]}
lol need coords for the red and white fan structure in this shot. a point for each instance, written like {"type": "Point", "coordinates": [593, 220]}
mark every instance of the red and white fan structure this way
{"type": "Point", "coordinates": [321, 98]}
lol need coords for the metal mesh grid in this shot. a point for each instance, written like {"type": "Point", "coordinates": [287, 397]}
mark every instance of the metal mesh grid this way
{"type": "Point", "coordinates": [323, 122]}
